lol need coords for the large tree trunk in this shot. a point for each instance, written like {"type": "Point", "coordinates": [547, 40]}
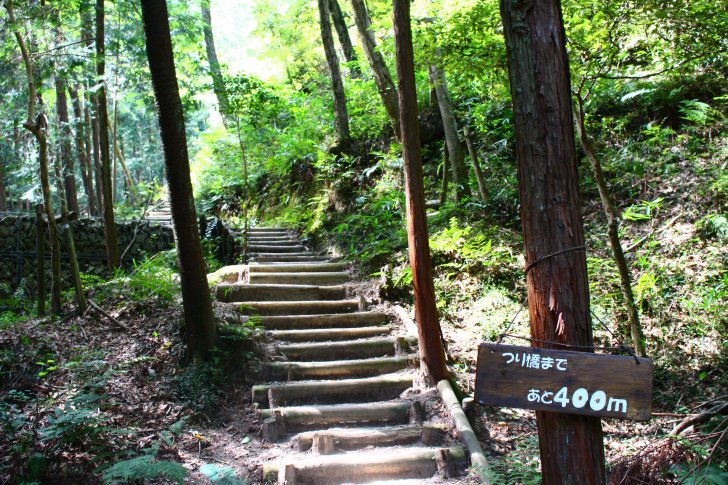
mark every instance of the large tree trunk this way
{"type": "Point", "coordinates": [38, 126]}
{"type": "Point", "coordinates": [82, 149]}
{"type": "Point", "coordinates": [382, 77]}
{"type": "Point", "coordinates": [200, 325]}
{"type": "Point", "coordinates": [625, 279]}
{"type": "Point", "coordinates": [428, 327]}
{"type": "Point", "coordinates": [110, 236]}
{"type": "Point", "coordinates": [482, 188]}
{"type": "Point", "coordinates": [341, 117]}
{"type": "Point", "coordinates": [558, 293]}
{"type": "Point", "coordinates": [342, 32]}
{"type": "Point", "coordinates": [96, 146]}
{"type": "Point", "coordinates": [64, 130]}
{"type": "Point", "coordinates": [218, 85]}
{"type": "Point", "coordinates": [449, 123]}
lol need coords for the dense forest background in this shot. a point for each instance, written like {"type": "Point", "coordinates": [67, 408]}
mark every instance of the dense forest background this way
{"type": "Point", "coordinates": [650, 96]}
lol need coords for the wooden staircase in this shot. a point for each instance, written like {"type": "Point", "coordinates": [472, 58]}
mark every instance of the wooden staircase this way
{"type": "Point", "coordinates": [341, 391]}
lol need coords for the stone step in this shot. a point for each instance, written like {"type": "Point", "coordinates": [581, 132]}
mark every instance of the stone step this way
{"type": "Point", "coordinates": [268, 229]}
{"type": "Point", "coordinates": [307, 257]}
{"type": "Point", "coordinates": [349, 349]}
{"type": "Point", "coordinates": [280, 421]}
{"type": "Point", "coordinates": [271, 237]}
{"type": "Point", "coordinates": [338, 320]}
{"type": "Point", "coordinates": [340, 368]}
{"type": "Point", "coordinates": [276, 242]}
{"type": "Point", "coordinates": [269, 248]}
{"type": "Point", "coordinates": [347, 439]}
{"type": "Point", "coordinates": [328, 334]}
{"type": "Point", "coordinates": [366, 466]}
{"type": "Point", "coordinates": [332, 391]}
{"type": "Point", "coordinates": [301, 278]}
{"type": "Point", "coordinates": [312, 307]}
{"type": "Point", "coordinates": [271, 292]}
{"type": "Point", "coordinates": [297, 267]}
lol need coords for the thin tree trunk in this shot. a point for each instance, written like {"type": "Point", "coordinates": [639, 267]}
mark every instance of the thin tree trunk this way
{"type": "Point", "coordinates": [571, 446]}
{"type": "Point", "coordinates": [124, 170]}
{"type": "Point", "coordinates": [382, 77]}
{"type": "Point", "coordinates": [40, 258]}
{"type": "Point", "coordinates": [482, 189]}
{"type": "Point", "coordinates": [341, 117]}
{"type": "Point", "coordinates": [38, 126]}
{"type": "Point", "coordinates": [428, 327]}
{"type": "Point", "coordinates": [112, 244]}
{"type": "Point", "coordinates": [199, 321]}
{"type": "Point", "coordinates": [635, 330]}
{"type": "Point", "coordinates": [218, 85]}
{"type": "Point", "coordinates": [66, 225]}
{"type": "Point", "coordinates": [3, 195]}
{"type": "Point", "coordinates": [445, 174]}
{"type": "Point", "coordinates": [449, 123]}
{"type": "Point", "coordinates": [64, 130]}
{"type": "Point", "coordinates": [81, 149]}
{"type": "Point", "coordinates": [96, 145]}
{"type": "Point", "coordinates": [342, 32]}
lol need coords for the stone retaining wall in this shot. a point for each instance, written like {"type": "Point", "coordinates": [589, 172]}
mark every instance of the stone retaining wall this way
{"type": "Point", "coordinates": [18, 251]}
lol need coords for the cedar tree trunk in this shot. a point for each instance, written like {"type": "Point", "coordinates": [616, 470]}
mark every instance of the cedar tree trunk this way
{"type": "Point", "coordinates": [558, 293]}
{"type": "Point", "coordinates": [482, 189]}
{"type": "Point", "coordinates": [64, 130]}
{"type": "Point", "coordinates": [342, 32]}
{"type": "Point", "coordinates": [218, 85]}
{"type": "Point", "coordinates": [341, 117]}
{"type": "Point", "coordinates": [428, 327]}
{"type": "Point", "coordinates": [81, 149]}
{"type": "Point", "coordinates": [200, 324]}
{"type": "Point", "coordinates": [112, 244]}
{"type": "Point", "coordinates": [382, 77]}
{"type": "Point", "coordinates": [450, 124]}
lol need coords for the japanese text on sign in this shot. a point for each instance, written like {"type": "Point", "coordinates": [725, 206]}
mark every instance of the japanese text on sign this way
{"type": "Point", "coordinates": [535, 361]}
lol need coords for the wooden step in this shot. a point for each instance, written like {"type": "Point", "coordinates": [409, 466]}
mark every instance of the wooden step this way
{"type": "Point", "coordinates": [268, 248]}
{"type": "Point", "coordinates": [311, 307]}
{"type": "Point", "coordinates": [275, 242]}
{"type": "Point", "coordinates": [272, 292]}
{"type": "Point", "coordinates": [295, 267]}
{"type": "Point", "coordinates": [292, 258]}
{"type": "Point", "coordinates": [328, 334]}
{"type": "Point", "coordinates": [332, 391]}
{"type": "Point", "coordinates": [339, 320]}
{"type": "Point", "coordinates": [303, 418]}
{"type": "Point", "coordinates": [268, 229]}
{"type": "Point", "coordinates": [304, 278]}
{"type": "Point", "coordinates": [329, 441]}
{"type": "Point", "coordinates": [363, 348]}
{"type": "Point", "coordinates": [364, 467]}
{"type": "Point", "coordinates": [282, 371]}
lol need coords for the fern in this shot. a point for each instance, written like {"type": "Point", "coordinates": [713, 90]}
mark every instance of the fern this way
{"type": "Point", "coordinates": [142, 468]}
{"type": "Point", "coordinates": [695, 111]}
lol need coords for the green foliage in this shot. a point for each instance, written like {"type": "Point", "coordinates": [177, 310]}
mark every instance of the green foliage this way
{"type": "Point", "coordinates": [145, 467]}
{"type": "Point", "coordinates": [221, 474]}
{"type": "Point", "coordinates": [197, 386]}
{"type": "Point", "coordinates": [521, 465]}
{"type": "Point", "coordinates": [713, 226]}
{"type": "Point", "coordinates": [152, 278]}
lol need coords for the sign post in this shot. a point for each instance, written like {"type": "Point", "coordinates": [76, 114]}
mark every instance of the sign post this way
{"type": "Point", "coordinates": [610, 386]}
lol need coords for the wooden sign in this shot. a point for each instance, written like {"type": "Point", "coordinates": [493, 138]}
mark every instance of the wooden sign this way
{"type": "Point", "coordinates": [611, 386]}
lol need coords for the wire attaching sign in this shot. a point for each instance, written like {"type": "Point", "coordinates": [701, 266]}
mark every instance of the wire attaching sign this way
{"type": "Point", "coordinates": [562, 381]}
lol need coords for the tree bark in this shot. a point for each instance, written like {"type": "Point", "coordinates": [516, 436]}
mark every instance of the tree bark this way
{"type": "Point", "coordinates": [40, 259]}
{"type": "Point", "coordinates": [445, 174]}
{"type": "Point", "coordinates": [119, 155]}
{"type": "Point", "coordinates": [66, 227]}
{"type": "Point", "coordinates": [449, 123]}
{"type": "Point", "coordinates": [382, 77]}
{"type": "Point", "coordinates": [110, 236]}
{"type": "Point", "coordinates": [428, 327]}
{"type": "Point", "coordinates": [96, 146]}
{"type": "Point", "coordinates": [482, 188]}
{"type": "Point", "coordinates": [3, 195]}
{"type": "Point", "coordinates": [625, 279]}
{"type": "Point", "coordinates": [81, 148]}
{"type": "Point", "coordinates": [64, 130]}
{"type": "Point", "coordinates": [341, 117]}
{"type": "Point", "coordinates": [342, 32]}
{"type": "Point", "coordinates": [558, 293]}
{"type": "Point", "coordinates": [200, 331]}
{"type": "Point", "coordinates": [218, 85]}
